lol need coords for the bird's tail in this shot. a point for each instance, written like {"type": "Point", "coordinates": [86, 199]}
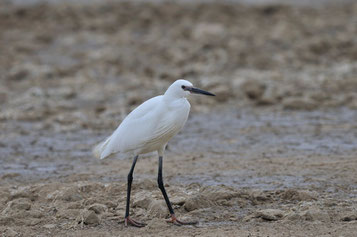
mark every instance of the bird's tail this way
{"type": "Point", "coordinates": [98, 149]}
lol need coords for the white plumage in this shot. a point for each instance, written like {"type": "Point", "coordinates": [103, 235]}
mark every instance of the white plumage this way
{"type": "Point", "coordinates": [148, 128]}
{"type": "Point", "coordinates": [151, 125]}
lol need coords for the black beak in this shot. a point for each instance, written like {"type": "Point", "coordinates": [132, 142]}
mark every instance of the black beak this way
{"type": "Point", "coordinates": [199, 91]}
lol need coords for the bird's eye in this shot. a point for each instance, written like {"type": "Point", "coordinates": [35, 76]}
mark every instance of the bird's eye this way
{"type": "Point", "coordinates": [183, 87]}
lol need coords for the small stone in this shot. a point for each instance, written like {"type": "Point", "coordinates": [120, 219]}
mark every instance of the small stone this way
{"type": "Point", "coordinates": [196, 202]}
{"type": "Point", "coordinates": [215, 193]}
{"type": "Point", "coordinates": [35, 214]}
{"type": "Point", "coordinates": [315, 214]}
{"type": "Point", "coordinates": [90, 218]}
{"type": "Point", "coordinates": [270, 214]}
{"type": "Point", "coordinates": [49, 226]}
{"type": "Point", "coordinates": [156, 224]}
{"type": "Point", "coordinates": [351, 216]}
{"type": "Point", "coordinates": [293, 216]}
{"type": "Point", "coordinates": [143, 202]}
{"type": "Point", "coordinates": [70, 195]}
{"type": "Point", "coordinates": [21, 204]}
{"type": "Point", "coordinates": [111, 204]}
{"type": "Point", "coordinates": [178, 200]}
{"type": "Point", "coordinates": [70, 214]}
{"type": "Point", "coordinates": [98, 208]}
{"type": "Point", "coordinates": [158, 209]}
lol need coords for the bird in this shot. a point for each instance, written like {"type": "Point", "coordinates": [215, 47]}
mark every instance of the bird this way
{"type": "Point", "coordinates": [148, 128]}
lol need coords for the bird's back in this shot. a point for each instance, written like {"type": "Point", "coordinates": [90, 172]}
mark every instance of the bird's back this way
{"type": "Point", "coordinates": [147, 128]}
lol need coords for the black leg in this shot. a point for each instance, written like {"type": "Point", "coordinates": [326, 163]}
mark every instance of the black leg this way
{"type": "Point", "coordinates": [162, 188]}
{"type": "Point", "coordinates": [130, 180]}
{"type": "Point", "coordinates": [173, 220]}
{"type": "Point", "coordinates": [128, 220]}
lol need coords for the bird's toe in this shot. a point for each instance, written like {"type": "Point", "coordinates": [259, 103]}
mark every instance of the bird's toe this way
{"type": "Point", "coordinates": [128, 221]}
{"type": "Point", "coordinates": [177, 222]}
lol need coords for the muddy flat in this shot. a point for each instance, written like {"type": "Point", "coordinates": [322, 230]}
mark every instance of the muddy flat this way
{"type": "Point", "coordinates": [273, 154]}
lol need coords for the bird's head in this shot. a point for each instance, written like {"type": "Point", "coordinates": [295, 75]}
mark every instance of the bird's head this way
{"type": "Point", "coordinates": [182, 88]}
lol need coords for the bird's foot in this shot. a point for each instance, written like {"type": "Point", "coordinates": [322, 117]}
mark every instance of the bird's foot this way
{"type": "Point", "coordinates": [175, 221]}
{"type": "Point", "coordinates": [128, 221]}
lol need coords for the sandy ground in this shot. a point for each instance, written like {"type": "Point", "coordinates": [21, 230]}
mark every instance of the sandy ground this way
{"type": "Point", "coordinates": [274, 154]}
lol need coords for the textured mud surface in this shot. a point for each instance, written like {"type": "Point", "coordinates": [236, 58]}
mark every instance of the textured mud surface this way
{"type": "Point", "coordinates": [274, 154]}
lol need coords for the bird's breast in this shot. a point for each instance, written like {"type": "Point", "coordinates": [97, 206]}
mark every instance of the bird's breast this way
{"type": "Point", "coordinates": [168, 125]}
{"type": "Point", "coordinates": [178, 114]}
{"type": "Point", "coordinates": [174, 120]}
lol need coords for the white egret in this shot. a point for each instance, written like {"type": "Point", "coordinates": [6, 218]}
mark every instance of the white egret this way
{"type": "Point", "coordinates": [148, 128]}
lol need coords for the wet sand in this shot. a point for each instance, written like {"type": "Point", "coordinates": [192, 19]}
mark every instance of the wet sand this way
{"type": "Point", "coordinates": [274, 154]}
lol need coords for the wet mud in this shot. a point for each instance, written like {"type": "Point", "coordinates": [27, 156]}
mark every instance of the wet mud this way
{"type": "Point", "coordinates": [274, 154]}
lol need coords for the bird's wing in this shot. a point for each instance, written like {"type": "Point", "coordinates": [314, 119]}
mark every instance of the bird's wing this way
{"type": "Point", "coordinates": [135, 128]}
{"type": "Point", "coordinates": [144, 108]}
{"type": "Point", "coordinates": [168, 124]}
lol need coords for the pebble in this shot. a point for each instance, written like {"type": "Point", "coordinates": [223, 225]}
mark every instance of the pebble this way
{"type": "Point", "coordinates": [158, 208]}
{"type": "Point", "coordinates": [315, 214]}
{"type": "Point", "coordinates": [270, 214]}
{"type": "Point", "coordinates": [98, 208]}
{"type": "Point", "coordinates": [49, 226]}
{"type": "Point", "coordinates": [351, 216]}
{"type": "Point", "coordinates": [89, 217]}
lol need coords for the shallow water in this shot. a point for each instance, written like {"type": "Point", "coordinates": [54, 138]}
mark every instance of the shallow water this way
{"type": "Point", "coordinates": [223, 136]}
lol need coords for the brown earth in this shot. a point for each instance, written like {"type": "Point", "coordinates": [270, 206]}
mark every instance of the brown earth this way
{"type": "Point", "coordinates": [274, 154]}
